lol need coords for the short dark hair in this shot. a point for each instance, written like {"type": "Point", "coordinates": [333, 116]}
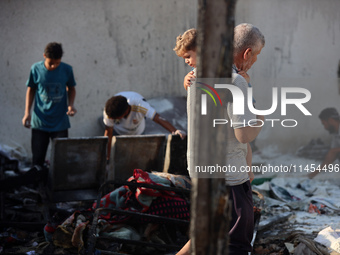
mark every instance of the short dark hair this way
{"type": "Point", "coordinates": [53, 50]}
{"type": "Point", "coordinates": [329, 113]}
{"type": "Point", "coordinates": [116, 106]}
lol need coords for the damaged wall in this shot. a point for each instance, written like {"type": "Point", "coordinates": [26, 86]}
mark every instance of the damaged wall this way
{"type": "Point", "coordinates": [113, 46]}
{"type": "Point", "coordinates": [127, 45]}
{"type": "Point", "coordinates": [302, 50]}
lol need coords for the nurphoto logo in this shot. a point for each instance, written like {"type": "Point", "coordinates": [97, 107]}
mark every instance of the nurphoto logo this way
{"type": "Point", "coordinates": [204, 97]}
{"type": "Point", "coordinates": [240, 102]}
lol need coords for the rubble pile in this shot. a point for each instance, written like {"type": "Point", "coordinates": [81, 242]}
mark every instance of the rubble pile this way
{"type": "Point", "coordinates": [315, 149]}
{"type": "Point", "coordinates": [298, 215]}
{"type": "Point", "coordinates": [26, 230]}
{"type": "Point", "coordinates": [295, 212]}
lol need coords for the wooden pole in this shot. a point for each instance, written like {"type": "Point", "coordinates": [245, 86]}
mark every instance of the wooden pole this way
{"type": "Point", "coordinates": [210, 207]}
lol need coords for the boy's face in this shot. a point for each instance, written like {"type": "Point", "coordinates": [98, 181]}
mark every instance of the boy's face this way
{"type": "Point", "coordinates": [125, 114]}
{"type": "Point", "coordinates": [190, 58]}
{"type": "Point", "coordinates": [51, 64]}
{"type": "Point", "coordinates": [330, 125]}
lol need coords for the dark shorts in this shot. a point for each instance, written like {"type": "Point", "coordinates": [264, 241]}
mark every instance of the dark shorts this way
{"type": "Point", "coordinates": [242, 220]}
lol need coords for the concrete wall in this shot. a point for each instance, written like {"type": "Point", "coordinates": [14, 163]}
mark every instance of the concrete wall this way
{"type": "Point", "coordinates": [302, 50]}
{"type": "Point", "coordinates": [127, 45]}
{"type": "Point", "coordinates": [113, 46]}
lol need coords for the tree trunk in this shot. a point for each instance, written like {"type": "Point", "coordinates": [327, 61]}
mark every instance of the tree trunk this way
{"type": "Point", "coordinates": [210, 207]}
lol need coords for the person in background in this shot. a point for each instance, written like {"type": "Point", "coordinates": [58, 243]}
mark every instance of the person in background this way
{"type": "Point", "coordinates": [330, 119]}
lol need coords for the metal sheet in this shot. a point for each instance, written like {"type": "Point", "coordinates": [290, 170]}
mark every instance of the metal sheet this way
{"type": "Point", "coordinates": [144, 152]}
{"type": "Point", "coordinates": [77, 163]}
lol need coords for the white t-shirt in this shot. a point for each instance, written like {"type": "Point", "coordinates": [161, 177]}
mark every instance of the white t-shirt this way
{"type": "Point", "coordinates": [134, 123]}
{"type": "Point", "coordinates": [236, 151]}
{"type": "Point", "coordinates": [191, 97]}
{"type": "Point", "coordinates": [335, 140]}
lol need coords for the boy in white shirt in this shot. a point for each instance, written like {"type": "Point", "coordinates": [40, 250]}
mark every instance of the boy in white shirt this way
{"type": "Point", "coordinates": [125, 114]}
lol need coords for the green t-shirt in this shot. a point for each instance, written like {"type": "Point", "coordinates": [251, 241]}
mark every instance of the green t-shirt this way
{"type": "Point", "coordinates": [50, 102]}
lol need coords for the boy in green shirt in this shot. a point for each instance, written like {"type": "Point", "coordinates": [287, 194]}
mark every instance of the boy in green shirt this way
{"type": "Point", "coordinates": [51, 91]}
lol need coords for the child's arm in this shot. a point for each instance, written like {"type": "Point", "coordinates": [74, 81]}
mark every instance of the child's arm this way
{"type": "Point", "coordinates": [109, 133]}
{"type": "Point", "coordinates": [330, 157]}
{"type": "Point", "coordinates": [185, 249]}
{"type": "Point", "coordinates": [168, 126]}
{"type": "Point", "coordinates": [188, 79]}
{"type": "Point", "coordinates": [26, 120]}
{"type": "Point", "coordinates": [71, 91]}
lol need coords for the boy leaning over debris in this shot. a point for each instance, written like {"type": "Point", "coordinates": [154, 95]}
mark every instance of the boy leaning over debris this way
{"type": "Point", "coordinates": [249, 43]}
{"type": "Point", "coordinates": [125, 114]}
{"type": "Point", "coordinates": [51, 89]}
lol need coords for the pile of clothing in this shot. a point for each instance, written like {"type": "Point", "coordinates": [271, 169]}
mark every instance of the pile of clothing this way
{"type": "Point", "coordinates": [72, 233]}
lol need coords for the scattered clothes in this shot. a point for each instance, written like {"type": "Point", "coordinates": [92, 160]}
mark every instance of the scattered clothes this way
{"type": "Point", "coordinates": [290, 247]}
{"type": "Point", "coordinates": [301, 194]}
{"type": "Point", "coordinates": [267, 222]}
{"type": "Point", "coordinates": [179, 181]}
{"type": "Point", "coordinates": [70, 234]}
{"type": "Point", "coordinates": [65, 235]}
{"type": "Point", "coordinates": [325, 202]}
{"type": "Point", "coordinates": [296, 206]}
{"type": "Point", "coordinates": [330, 238]}
{"type": "Point", "coordinates": [141, 198]}
{"type": "Point", "coordinates": [317, 209]}
{"type": "Point", "coordinates": [282, 194]}
{"type": "Point", "coordinates": [170, 207]}
{"type": "Point", "coordinates": [303, 249]}
{"type": "Point", "coordinates": [16, 241]}
{"type": "Point", "coordinates": [316, 149]}
{"type": "Point", "coordinates": [33, 177]}
{"type": "Point", "coordinates": [14, 152]}
{"type": "Point", "coordinates": [313, 209]}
